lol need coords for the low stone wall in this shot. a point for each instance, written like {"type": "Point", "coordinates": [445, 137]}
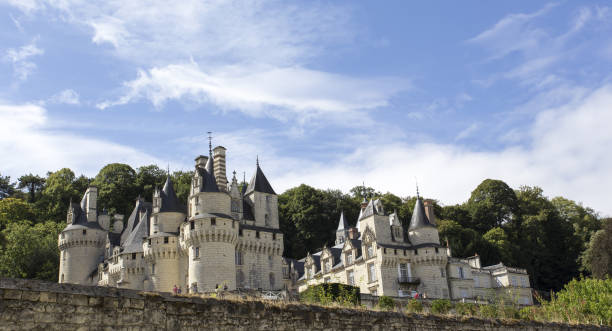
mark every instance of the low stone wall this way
{"type": "Point", "coordinates": [36, 305]}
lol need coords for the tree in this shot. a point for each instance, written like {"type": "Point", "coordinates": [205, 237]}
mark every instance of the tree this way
{"type": "Point", "coordinates": [498, 239]}
{"type": "Point", "coordinates": [13, 210]}
{"type": "Point", "coordinates": [6, 187]}
{"type": "Point", "coordinates": [466, 242]}
{"type": "Point", "coordinates": [30, 251]}
{"type": "Point", "coordinates": [359, 192]}
{"type": "Point", "coordinates": [33, 183]}
{"type": "Point", "coordinates": [583, 219]}
{"type": "Point", "coordinates": [457, 213]}
{"type": "Point", "coordinates": [493, 203]}
{"type": "Point", "coordinates": [182, 184]}
{"type": "Point", "coordinates": [61, 187]}
{"type": "Point", "coordinates": [148, 178]}
{"type": "Point", "coordinates": [598, 256]}
{"type": "Point", "coordinates": [117, 188]}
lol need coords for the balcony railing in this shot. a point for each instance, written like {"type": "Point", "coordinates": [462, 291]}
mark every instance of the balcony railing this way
{"type": "Point", "coordinates": [408, 280]}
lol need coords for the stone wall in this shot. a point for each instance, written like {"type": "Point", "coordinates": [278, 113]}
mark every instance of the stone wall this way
{"type": "Point", "coordinates": [36, 305]}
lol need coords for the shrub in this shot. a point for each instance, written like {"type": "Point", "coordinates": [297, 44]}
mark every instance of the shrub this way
{"type": "Point", "coordinates": [414, 306]}
{"type": "Point", "coordinates": [386, 303]}
{"type": "Point", "coordinates": [528, 313]}
{"type": "Point", "coordinates": [441, 306]}
{"type": "Point", "coordinates": [465, 309]}
{"type": "Point", "coordinates": [487, 311]}
{"type": "Point", "coordinates": [332, 292]}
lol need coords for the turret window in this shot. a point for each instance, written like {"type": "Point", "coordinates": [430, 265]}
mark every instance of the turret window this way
{"type": "Point", "coordinates": [192, 225]}
{"type": "Point", "coordinates": [213, 221]}
{"type": "Point", "coordinates": [196, 253]}
{"type": "Point", "coordinates": [257, 234]}
{"type": "Point", "coordinates": [349, 258]}
{"type": "Point", "coordinates": [84, 232]}
{"type": "Point", "coordinates": [165, 240]}
{"type": "Point", "coordinates": [238, 258]}
{"type": "Point", "coordinates": [133, 256]}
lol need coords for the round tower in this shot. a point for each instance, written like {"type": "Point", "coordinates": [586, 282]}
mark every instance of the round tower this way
{"type": "Point", "coordinates": [162, 255]}
{"type": "Point", "coordinates": [210, 235]}
{"type": "Point", "coordinates": [81, 243]}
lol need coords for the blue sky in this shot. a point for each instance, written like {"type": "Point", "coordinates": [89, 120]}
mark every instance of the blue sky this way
{"type": "Point", "coordinates": [328, 93]}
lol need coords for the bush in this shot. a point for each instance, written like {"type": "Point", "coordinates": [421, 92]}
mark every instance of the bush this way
{"type": "Point", "coordinates": [528, 313]}
{"type": "Point", "coordinates": [487, 311]}
{"type": "Point", "coordinates": [386, 303]}
{"type": "Point", "coordinates": [441, 306]}
{"type": "Point", "coordinates": [465, 309]}
{"type": "Point", "coordinates": [414, 306]}
{"type": "Point", "coordinates": [332, 292]}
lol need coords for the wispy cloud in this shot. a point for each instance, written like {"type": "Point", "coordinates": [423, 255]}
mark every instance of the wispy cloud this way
{"type": "Point", "coordinates": [41, 148]}
{"type": "Point", "coordinates": [20, 58]}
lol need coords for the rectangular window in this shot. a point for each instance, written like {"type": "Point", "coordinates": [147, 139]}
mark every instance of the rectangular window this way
{"type": "Point", "coordinates": [350, 277]}
{"type": "Point", "coordinates": [476, 281]}
{"type": "Point", "coordinates": [460, 269]}
{"type": "Point", "coordinates": [240, 232]}
{"type": "Point", "coordinates": [271, 261]}
{"type": "Point", "coordinates": [395, 252]}
{"type": "Point", "coordinates": [197, 200]}
{"type": "Point", "coordinates": [416, 252]}
{"type": "Point", "coordinates": [192, 225]}
{"type": "Point", "coordinates": [257, 234]}
{"type": "Point", "coordinates": [238, 258]}
{"type": "Point", "coordinates": [165, 240]}
{"type": "Point", "coordinates": [374, 292]}
{"type": "Point", "coordinates": [514, 281]}
{"type": "Point", "coordinates": [524, 281]}
{"type": "Point", "coordinates": [213, 221]}
{"type": "Point", "coordinates": [463, 292]}
{"type": "Point", "coordinates": [153, 269]}
{"type": "Point", "coordinates": [349, 258]}
{"type": "Point", "coordinates": [404, 252]}
{"type": "Point", "coordinates": [437, 251]}
{"type": "Point", "coordinates": [273, 236]}
{"type": "Point", "coordinates": [196, 253]}
{"type": "Point", "coordinates": [442, 273]}
{"type": "Point", "coordinates": [372, 272]}
{"type": "Point", "coordinates": [84, 232]}
{"type": "Point", "coordinates": [133, 256]}
{"type": "Point", "coordinates": [370, 251]}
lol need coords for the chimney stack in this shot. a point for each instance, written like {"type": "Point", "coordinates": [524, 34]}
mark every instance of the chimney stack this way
{"type": "Point", "coordinates": [200, 161]}
{"type": "Point", "coordinates": [353, 233]}
{"type": "Point", "coordinates": [219, 167]}
{"type": "Point", "coordinates": [92, 199]}
{"type": "Point", "coordinates": [429, 211]}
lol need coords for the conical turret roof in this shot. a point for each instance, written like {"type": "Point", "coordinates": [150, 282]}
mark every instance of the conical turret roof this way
{"type": "Point", "coordinates": [259, 183]}
{"type": "Point", "coordinates": [342, 225]}
{"type": "Point", "coordinates": [169, 200]}
{"type": "Point", "coordinates": [419, 218]}
{"type": "Point", "coordinates": [209, 183]}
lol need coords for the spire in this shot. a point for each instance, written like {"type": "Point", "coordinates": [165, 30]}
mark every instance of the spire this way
{"type": "Point", "coordinates": [342, 224]}
{"type": "Point", "coordinates": [417, 187]}
{"type": "Point", "coordinates": [259, 182]}
{"type": "Point", "coordinates": [210, 183]}
{"type": "Point", "coordinates": [210, 143]}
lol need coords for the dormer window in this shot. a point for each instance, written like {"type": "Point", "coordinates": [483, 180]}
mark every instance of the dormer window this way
{"type": "Point", "coordinates": [370, 251]}
{"type": "Point", "coordinates": [349, 258]}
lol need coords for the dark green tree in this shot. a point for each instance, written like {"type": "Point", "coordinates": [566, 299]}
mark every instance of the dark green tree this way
{"type": "Point", "coordinates": [148, 178]}
{"type": "Point", "coordinates": [465, 242]}
{"type": "Point", "coordinates": [359, 192]}
{"type": "Point", "coordinates": [6, 187]}
{"type": "Point", "coordinates": [182, 184]}
{"type": "Point", "coordinates": [493, 203]}
{"type": "Point", "coordinates": [584, 220]}
{"type": "Point", "coordinates": [30, 251]}
{"type": "Point", "coordinates": [117, 188]}
{"type": "Point", "coordinates": [61, 187]}
{"type": "Point", "coordinates": [14, 210]}
{"type": "Point", "coordinates": [33, 184]}
{"type": "Point", "coordinates": [597, 258]}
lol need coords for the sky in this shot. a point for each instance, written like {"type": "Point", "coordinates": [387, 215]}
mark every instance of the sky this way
{"type": "Point", "coordinates": [332, 94]}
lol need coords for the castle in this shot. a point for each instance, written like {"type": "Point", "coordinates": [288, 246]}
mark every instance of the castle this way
{"type": "Point", "coordinates": [225, 237]}
{"type": "Point", "coordinates": [228, 237]}
{"type": "Point", "coordinates": [382, 258]}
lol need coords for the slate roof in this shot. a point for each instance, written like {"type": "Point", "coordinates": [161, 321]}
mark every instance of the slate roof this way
{"type": "Point", "coordinates": [259, 183]}
{"type": "Point", "coordinates": [419, 218]}
{"type": "Point", "coordinates": [79, 220]}
{"type": "Point", "coordinates": [247, 210]}
{"type": "Point", "coordinates": [133, 242]}
{"type": "Point", "coordinates": [169, 200]}
{"type": "Point", "coordinates": [134, 219]}
{"type": "Point", "coordinates": [209, 183]}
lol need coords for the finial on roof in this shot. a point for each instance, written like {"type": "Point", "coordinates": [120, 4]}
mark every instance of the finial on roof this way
{"type": "Point", "coordinates": [234, 174]}
{"type": "Point", "coordinates": [244, 176]}
{"type": "Point", "coordinates": [209, 142]}
{"type": "Point", "coordinates": [257, 160]}
{"type": "Point", "coordinates": [417, 187]}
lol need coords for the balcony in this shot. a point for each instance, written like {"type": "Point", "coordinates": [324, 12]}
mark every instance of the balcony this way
{"type": "Point", "coordinates": [408, 280]}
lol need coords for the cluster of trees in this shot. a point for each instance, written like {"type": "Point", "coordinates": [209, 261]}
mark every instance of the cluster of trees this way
{"type": "Point", "coordinates": [554, 239]}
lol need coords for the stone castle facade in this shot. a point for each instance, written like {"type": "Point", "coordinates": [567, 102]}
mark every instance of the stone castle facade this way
{"type": "Point", "coordinates": [225, 237]}
{"type": "Point", "coordinates": [382, 258]}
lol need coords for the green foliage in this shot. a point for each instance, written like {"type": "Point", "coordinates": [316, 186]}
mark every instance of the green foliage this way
{"type": "Point", "coordinates": [598, 256]}
{"type": "Point", "coordinates": [466, 242]}
{"type": "Point", "coordinates": [30, 251]}
{"type": "Point", "coordinates": [414, 306]}
{"type": "Point", "coordinates": [182, 185]}
{"type": "Point", "coordinates": [6, 187]}
{"type": "Point", "coordinates": [60, 187]}
{"type": "Point", "coordinates": [386, 303]}
{"type": "Point", "coordinates": [487, 311]}
{"type": "Point", "coordinates": [148, 178]}
{"type": "Point", "coordinates": [441, 306]}
{"type": "Point", "coordinates": [493, 203]}
{"type": "Point", "coordinates": [13, 210]}
{"type": "Point", "coordinates": [466, 309]}
{"type": "Point", "coordinates": [117, 188]}
{"type": "Point", "coordinates": [329, 293]}
{"type": "Point", "coordinates": [34, 184]}
{"type": "Point", "coordinates": [580, 301]}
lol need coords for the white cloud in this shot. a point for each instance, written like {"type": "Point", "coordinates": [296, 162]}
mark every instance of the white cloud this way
{"type": "Point", "coordinates": [31, 144]}
{"type": "Point", "coordinates": [68, 96]}
{"type": "Point", "coordinates": [22, 66]}
{"type": "Point", "coordinates": [277, 92]}
{"type": "Point", "coordinates": [568, 155]}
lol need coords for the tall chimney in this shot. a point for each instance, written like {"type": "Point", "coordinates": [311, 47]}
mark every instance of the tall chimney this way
{"type": "Point", "coordinates": [219, 167]}
{"type": "Point", "coordinates": [353, 233]}
{"type": "Point", "coordinates": [92, 199]}
{"type": "Point", "coordinates": [429, 211]}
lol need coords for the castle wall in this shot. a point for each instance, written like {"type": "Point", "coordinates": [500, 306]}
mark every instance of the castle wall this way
{"type": "Point", "coordinates": [424, 235]}
{"type": "Point", "coordinates": [79, 255]}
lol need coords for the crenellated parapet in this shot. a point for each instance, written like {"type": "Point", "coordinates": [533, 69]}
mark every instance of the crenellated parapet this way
{"type": "Point", "coordinates": [68, 240]}
{"type": "Point", "coordinates": [161, 248]}
{"type": "Point", "coordinates": [259, 246]}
